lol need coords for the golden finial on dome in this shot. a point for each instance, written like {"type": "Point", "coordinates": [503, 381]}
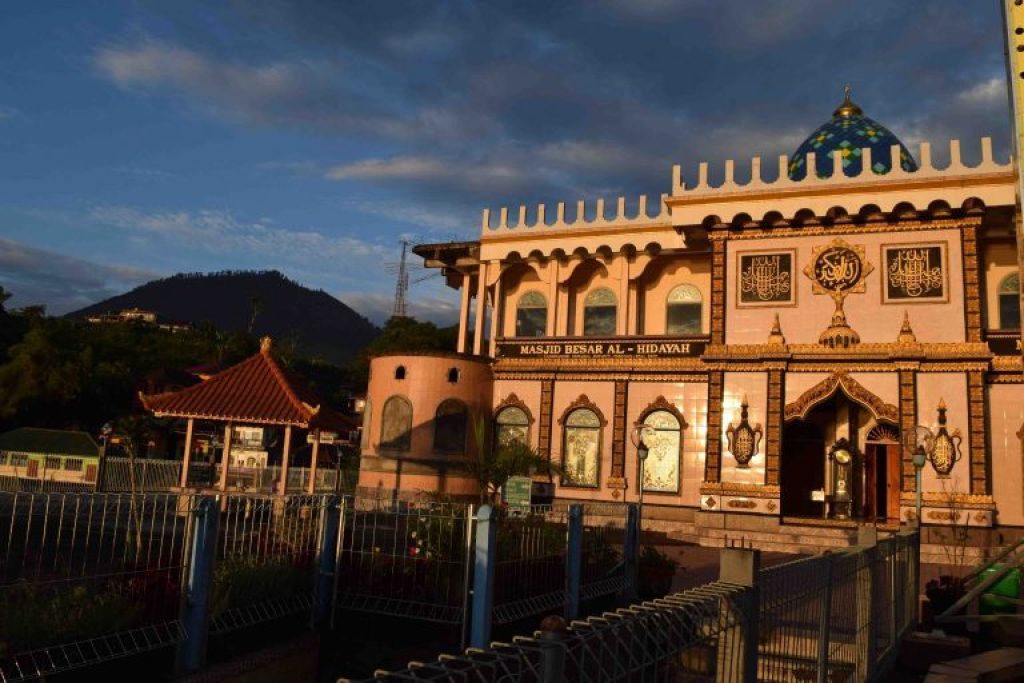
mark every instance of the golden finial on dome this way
{"type": "Point", "coordinates": [906, 335]}
{"type": "Point", "coordinates": [847, 108]}
{"type": "Point", "coordinates": [775, 337]}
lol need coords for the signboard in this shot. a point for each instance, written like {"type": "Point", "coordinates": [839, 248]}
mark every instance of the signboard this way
{"type": "Point", "coordinates": [646, 347]}
{"type": "Point", "coordinates": [1004, 344]}
{"type": "Point", "coordinates": [325, 437]}
{"type": "Point", "coordinates": [517, 491]}
{"type": "Point", "coordinates": [818, 495]}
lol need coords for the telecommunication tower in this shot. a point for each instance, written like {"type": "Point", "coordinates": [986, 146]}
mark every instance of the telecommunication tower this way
{"type": "Point", "coordinates": [401, 286]}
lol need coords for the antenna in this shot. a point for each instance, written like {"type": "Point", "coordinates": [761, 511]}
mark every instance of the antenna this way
{"type": "Point", "coordinates": [401, 285]}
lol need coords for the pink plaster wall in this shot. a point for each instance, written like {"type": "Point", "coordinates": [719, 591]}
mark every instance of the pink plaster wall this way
{"type": "Point", "coordinates": [1006, 420]}
{"type": "Point", "coordinates": [952, 388]}
{"type": "Point", "coordinates": [874, 321]}
{"type": "Point", "coordinates": [662, 276]}
{"type": "Point", "coordinates": [426, 386]}
{"type": "Point", "coordinates": [753, 385]}
{"type": "Point", "coordinates": [603, 395]}
{"type": "Point", "coordinates": [691, 399]}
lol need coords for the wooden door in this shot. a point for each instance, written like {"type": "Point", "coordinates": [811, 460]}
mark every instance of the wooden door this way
{"type": "Point", "coordinates": [870, 495]}
{"type": "Point", "coordinates": [33, 469]}
{"type": "Point", "coordinates": [892, 483]}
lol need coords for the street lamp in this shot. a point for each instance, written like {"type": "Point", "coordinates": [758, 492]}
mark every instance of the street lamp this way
{"type": "Point", "coordinates": [920, 439]}
{"type": "Point", "coordinates": [638, 436]}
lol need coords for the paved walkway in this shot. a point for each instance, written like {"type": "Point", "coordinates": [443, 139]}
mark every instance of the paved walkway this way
{"type": "Point", "coordinates": [699, 565]}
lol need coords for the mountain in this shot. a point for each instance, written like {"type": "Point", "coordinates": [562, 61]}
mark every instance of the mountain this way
{"type": "Point", "coordinates": [320, 324]}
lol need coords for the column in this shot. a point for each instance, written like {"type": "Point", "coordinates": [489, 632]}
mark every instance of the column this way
{"type": "Point", "coordinates": [188, 453]}
{"type": "Point", "coordinates": [497, 311]}
{"type": "Point", "coordinates": [311, 486]}
{"type": "Point", "coordinates": [712, 461]}
{"type": "Point", "coordinates": [623, 295]}
{"type": "Point", "coordinates": [633, 321]}
{"type": "Point", "coordinates": [467, 283]}
{"type": "Point", "coordinates": [285, 452]}
{"type": "Point", "coordinates": [551, 328]}
{"type": "Point", "coordinates": [225, 458]}
{"type": "Point", "coordinates": [481, 307]}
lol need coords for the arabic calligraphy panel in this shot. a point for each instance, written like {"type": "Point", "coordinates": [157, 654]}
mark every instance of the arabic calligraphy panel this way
{"type": "Point", "coordinates": [915, 273]}
{"type": "Point", "coordinates": [765, 278]}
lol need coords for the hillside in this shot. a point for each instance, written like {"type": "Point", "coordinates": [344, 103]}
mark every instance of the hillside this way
{"type": "Point", "coordinates": [320, 324]}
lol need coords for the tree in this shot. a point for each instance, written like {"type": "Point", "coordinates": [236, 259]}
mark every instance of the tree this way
{"type": "Point", "coordinates": [495, 463]}
{"type": "Point", "coordinates": [134, 433]}
{"type": "Point", "coordinates": [402, 335]}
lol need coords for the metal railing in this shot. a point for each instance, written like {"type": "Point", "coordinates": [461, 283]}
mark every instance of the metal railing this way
{"type": "Point", "coordinates": [86, 578]}
{"type": "Point", "coordinates": [163, 475]}
{"type": "Point", "coordinates": [830, 618]}
{"type": "Point", "coordinates": [696, 635]}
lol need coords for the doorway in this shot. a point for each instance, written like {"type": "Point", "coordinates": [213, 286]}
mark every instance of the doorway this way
{"type": "Point", "coordinates": [881, 497]}
{"type": "Point", "coordinates": [802, 469]}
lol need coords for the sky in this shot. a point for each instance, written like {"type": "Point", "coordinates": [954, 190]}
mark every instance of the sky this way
{"type": "Point", "coordinates": [139, 139]}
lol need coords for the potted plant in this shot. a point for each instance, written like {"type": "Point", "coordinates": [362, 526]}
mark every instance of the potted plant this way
{"type": "Point", "coordinates": [656, 571]}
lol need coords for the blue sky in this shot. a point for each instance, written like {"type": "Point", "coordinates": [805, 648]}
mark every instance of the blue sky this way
{"type": "Point", "coordinates": [140, 139]}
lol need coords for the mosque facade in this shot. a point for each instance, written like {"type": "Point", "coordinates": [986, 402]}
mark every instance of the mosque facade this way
{"type": "Point", "coordinates": [779, 349]}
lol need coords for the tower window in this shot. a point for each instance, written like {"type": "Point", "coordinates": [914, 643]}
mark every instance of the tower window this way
{"type": "Point", "coordinates": [683, 311]}
{"type": "Point", "coordinates": [400, 372]}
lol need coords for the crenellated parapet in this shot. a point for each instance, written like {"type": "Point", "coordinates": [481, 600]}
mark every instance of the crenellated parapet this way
{"type": "Point", "coordinates": [828, 186]}
{"type": "Point", "coordinates": [642, 216]}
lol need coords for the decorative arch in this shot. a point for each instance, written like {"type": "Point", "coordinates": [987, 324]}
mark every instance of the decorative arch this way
{"type": "Point", "coordinates": [884, 433]}
{"type": "Point", "coordinates": [661, 403]}
{"type": "Point", "coordinates": [450, 426]}
{"type": "Point", "coordinates": [582, 402]}
{"type": "Point", "coordinates": [841, 380]}
{"type": "Point", "coordinates": [396, 424]}
{"type": "Point", "coordinates": [514, 401]}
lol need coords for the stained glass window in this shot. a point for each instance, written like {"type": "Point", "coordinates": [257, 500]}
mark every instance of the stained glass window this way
{"type": "Point", "coordinates": [581, 457]}
{"type": "Point", "coordinates": [599, 309]}
{"type": "Point", "coordinates": [1009, 302]}
{"type": "Point", "coordinates": [450, 426]}
{"type": "Point", "coordinates": [531, 315]}
{"type": "Point", "coordinates": [683, 311]}
{"type": "Point", "coordinates": [661, 469]}
{"type": "Point", "coordinates": [396, 424]}
{"type": "Point", "coordinates": [513, 424]}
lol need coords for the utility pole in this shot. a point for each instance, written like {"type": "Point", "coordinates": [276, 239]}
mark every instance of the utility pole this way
{"type": "Point", "coordinates": [401, 286]}
{"type": "Point", "coordinates": [1013, 23]}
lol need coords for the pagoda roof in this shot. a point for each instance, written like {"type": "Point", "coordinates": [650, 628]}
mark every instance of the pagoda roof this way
{"type": "Point", "coordinates": [256, 391]}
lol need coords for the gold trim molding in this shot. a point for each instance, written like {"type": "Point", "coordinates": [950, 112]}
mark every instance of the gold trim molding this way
{"type": "Point", "coordinates": [825, 389]}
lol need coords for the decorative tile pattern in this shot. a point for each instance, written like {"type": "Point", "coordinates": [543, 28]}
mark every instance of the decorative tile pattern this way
{"type": "Point", "coordinates": [773, 443]}
{"type": "Point", "coordinates": [908, 421]}
{"type": "Point", "coordinates": [713, 463]}
{"type": "Point", "coordinates": [972, 290]}
{"type": "Point", "coordinates": [547, 394]}
{"type": "Point", "coordinates": [848, 135]}
{"type": "Point", "coordinates": [619, 435]}
{"type": "Point", "coordinates": [976, 424]}
{"type": "Point", "coordinates": [718, 292]}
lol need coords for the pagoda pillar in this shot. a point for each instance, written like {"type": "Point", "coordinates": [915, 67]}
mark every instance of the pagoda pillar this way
{"type": "Point", "coordinates": [187, 459]}
{"type": "Point", "coordinates": [496, 312]}
{"type": "Point", "coordinates": [481, 309]}
{"type": "Point", "coordinates": [225, 458]}
{"type": "Point", "coordinates": [311, 486]}
{"type": "Point", "coordinates": [467, 285]}
{"type": "Point", "coordinates": [286, 451]}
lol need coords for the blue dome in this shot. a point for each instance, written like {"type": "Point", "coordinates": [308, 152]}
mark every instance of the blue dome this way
{"type": "Point", "coordinates": [847, 133]}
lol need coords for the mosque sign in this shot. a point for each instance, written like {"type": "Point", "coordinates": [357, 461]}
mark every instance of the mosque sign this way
{"type": "Point", "coordinates": [646, 347]}
{"type": "Point", "coordinates": [766, 278]}
{"type": "Point", "coordinates": [914, 273]}
{"type": "Point", "coordinates": [1004, 343]}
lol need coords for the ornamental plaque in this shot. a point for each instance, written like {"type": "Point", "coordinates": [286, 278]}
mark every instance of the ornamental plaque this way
{"type": "Point", "coordinates": [766, 278]}
{"type": "Point", "coordinates": [838, 269]}
{"type": "Point", "coordinates": [914, 273]}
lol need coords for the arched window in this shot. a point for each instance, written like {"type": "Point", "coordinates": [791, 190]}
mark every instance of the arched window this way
{"type": "Point", "coordinates": [599, 313]}
{"type": "Point", "coordinates": [450, 426]}
{"type": "Point", "coordinates": [1009, 302]}
{"type": "Point", "coordinates": [396, 424]}
{"type": "Point", "coordinates": [400, 372]}
{"type": "Point", "coordinates": [512, 424]}
{"type": "Point", "coordinates": [581, 451]}
{"type": "Point", "coordinates": [663, 441]}
{"type": "Point", "coordinates": [531, 315]}
{"type": "Point", "coordinates": [683, 311]}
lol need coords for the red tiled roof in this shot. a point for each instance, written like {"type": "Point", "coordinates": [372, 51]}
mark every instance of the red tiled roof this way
{"type": "Point", "coordinates": [257, 390]}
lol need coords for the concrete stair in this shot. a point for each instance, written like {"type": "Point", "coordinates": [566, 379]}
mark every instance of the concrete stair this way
{"type": "Point", "coordinates": [785, 538]}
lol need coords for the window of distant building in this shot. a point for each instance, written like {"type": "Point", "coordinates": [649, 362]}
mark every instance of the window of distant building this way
{"type": "Point", "coordinates": [52, 463]}
{"type": "Point", "coordinates": [450, 426]}
{"type": "Point", "coordinates": [73, 464]}
{"type": "Point", "coordinates": [683, 312]}
{"type": "Point", "coordinates": [599, 309]}
{"type": "Point", "coordinates": [531, 315]}
{"type": "Point", "coordinates": [396, 424]}
{"type": "Point", "coordinates": [1009, 302]}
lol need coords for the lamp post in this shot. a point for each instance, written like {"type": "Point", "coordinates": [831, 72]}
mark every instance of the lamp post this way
{"type": "Point", "coordinates": [920, 457]}
{"type": "Point", "coordinates": [637, 436]}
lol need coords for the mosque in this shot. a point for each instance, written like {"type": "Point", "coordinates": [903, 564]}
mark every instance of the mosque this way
{"type": "Point", "coordinates": [763, 360]}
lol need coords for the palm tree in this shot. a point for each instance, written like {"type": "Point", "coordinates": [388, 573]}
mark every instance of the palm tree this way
{"type": "Point", "coordinates": [495, 463]}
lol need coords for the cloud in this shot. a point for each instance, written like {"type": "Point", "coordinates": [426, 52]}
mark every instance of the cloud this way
{"type": "Point", "coordinates": [7, 113]}
{"type": "Point", "coordinates": [991, 92]}
{"type": "Point", "coordinates": [64, 283]}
